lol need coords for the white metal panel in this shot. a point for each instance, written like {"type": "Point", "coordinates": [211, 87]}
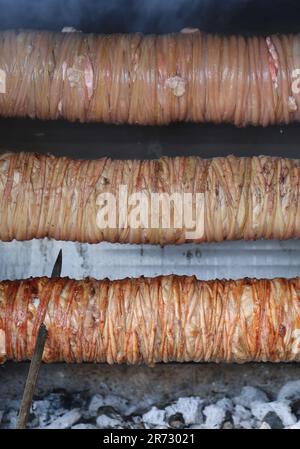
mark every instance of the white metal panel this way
{"type": "Point", "coordinates": [207, 261]}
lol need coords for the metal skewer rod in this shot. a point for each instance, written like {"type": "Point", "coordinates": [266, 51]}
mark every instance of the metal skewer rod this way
{"type": "Point", "coordinates": [36, 361]}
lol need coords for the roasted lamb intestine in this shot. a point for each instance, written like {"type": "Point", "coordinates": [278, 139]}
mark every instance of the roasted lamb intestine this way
{"type": "Point", "coordinates": [160, 79]}
{"type": "Point", "coordinates": [231, 198]}
{"type": "Point", "coordinates": [150, 320]}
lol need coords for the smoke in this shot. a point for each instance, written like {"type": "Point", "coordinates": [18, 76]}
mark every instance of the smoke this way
{"type": "Point", "coordinates": [153, 16]}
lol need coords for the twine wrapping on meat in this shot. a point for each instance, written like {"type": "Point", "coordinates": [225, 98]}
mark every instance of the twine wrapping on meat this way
{"type": "Point", "coordinates": [150, 320]}
{"type": "Point", "coordinates": [188, 76]}
{"type": "Point", "coordinates": [242, 198]}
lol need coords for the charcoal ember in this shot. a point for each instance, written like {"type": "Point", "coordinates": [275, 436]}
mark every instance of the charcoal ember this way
{"type": "Point", "coordinates": [51, 407]}
{"type": "Point", "coordinates": [107, 422]}
{"type": "Point", "coordinates": [66, 421]}
{"type": "Point", "coordinates": [67, 400]}
{"type": "Point", "coordinates": [81, 426]}
{"type": "Point", "coordinates": [249, 395]}
{"type": "Point", "coordinates": [136, 423]}
{"type": "Point", "coordinates": [228, 416]}
{"type": "Point", "coordinates": [265, 425]}
{"type": "Point", "coordinates": [273, 420]}
{"type": "Point", "coordinates": [241, 417]}
{"type": "Point", "coordinates": [290, 391]}
{"type": "Point", "coordinates": [248, 424]}
{"type": "Point", "coordinates": [295, 408]}
{"type": "Point", "coordinates": [56, 403]}
{"type": "Point", "coordinates": [98, 400]}
{"type": "Point", "coordinates": [33, 421]}
{"type": "Point", "coordinates": [107, 411]}
{"type": "Point", "coordinates": [215, 416]}
{"type": "Point", "coordinates": [155, 417]}
{"type": "Point", "coordinates": [10, 419]}
{"type": "Point", "coordinates": [228, 425]}
{"type": "Point", "coordinates": [74, 400]}
{"type": "Point", "coordinates": [189, 407]}
{"type": "Point", "coordinates": [109, 418]}
{"type": "Point", "coordinates": [294, 426]}
{"type": "Point", "coordinates": [41, 410]}
{"type": "Point", "coordinates": [176, 421]}
{"type": "Point", "coordinates": [40, 406]}
{"type": "Point", "coordinates": [282, 409]}
{"type": "Point", "coordinates": [226, 404]}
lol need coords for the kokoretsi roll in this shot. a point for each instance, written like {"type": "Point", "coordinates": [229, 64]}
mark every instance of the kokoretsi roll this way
{"type": "Point", "coordinates": [164, 201]}
{"type": "Point", "coordinates": [149, 320]}
{"type": "Point", "coordinates": [188, 76]}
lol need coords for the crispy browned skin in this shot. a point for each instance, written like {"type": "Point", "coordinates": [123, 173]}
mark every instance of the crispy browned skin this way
{"type": "Point", "coordinates": [149, 320]}
{"type": "Point", "coordinates": [242, 198]}
{"type": "Point", "coordinates": [150, 79]}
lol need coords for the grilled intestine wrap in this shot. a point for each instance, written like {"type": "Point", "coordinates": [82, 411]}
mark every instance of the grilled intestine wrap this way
{"type": "Point", "coordinates": [187, 76]}
{"type": "Point", "coordinates": [150, 320]}
{"type": "Point", "coordinates": [132, 201]}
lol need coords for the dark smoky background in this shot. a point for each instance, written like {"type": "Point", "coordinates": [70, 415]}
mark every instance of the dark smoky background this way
{"type": "Point", "coordinates": [153, 16]}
